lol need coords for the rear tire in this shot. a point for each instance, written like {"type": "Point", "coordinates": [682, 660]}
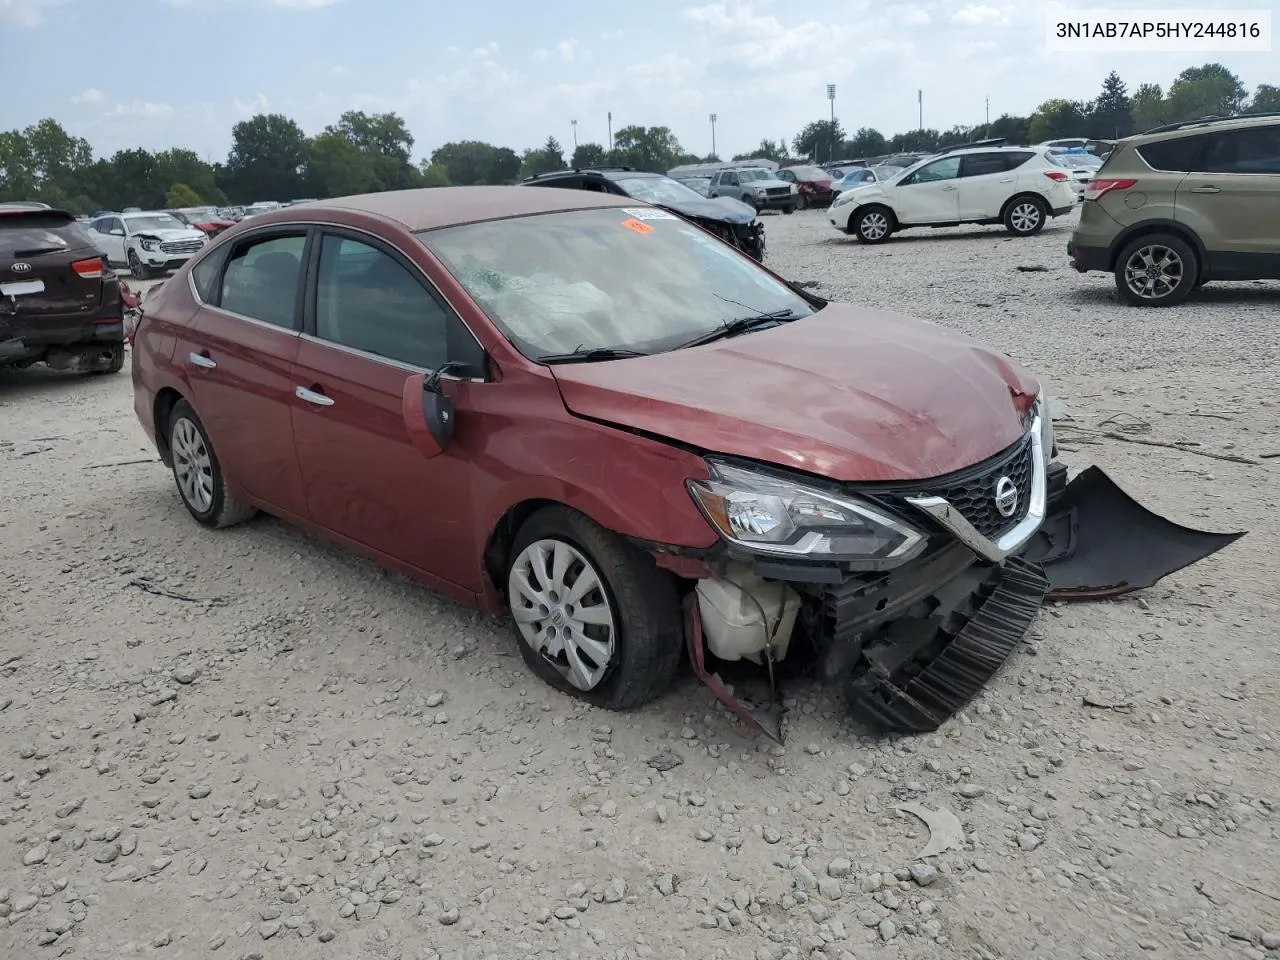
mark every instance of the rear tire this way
{"type": "Point", "coordinates": [1025, 216]}
{"type": "Point", "coordinates": [630, 607]}
{"type": "Point", "coordinates": [789, 209]}
{"type": "Point", "coordinates": [1158, 270]}
{"type": "Point", "coordinates": [196, 470]}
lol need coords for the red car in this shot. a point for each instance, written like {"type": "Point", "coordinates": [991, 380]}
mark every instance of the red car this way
{"type": "Point", "coordinates": [816, 187]}
{"type": "Point", "coordinates": [587, 411]}
{"type": "Point", "coordinates": [206, 221]}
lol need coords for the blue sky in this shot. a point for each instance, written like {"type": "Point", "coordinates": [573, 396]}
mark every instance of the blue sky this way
{"type": "Point", "coordinates": [161, 73]}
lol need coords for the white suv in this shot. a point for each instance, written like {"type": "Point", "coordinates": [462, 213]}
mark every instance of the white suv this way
{"type": "Point", "coordinates": [1017, 186]}
{"type": "Point", "coordinates": [149, 242]}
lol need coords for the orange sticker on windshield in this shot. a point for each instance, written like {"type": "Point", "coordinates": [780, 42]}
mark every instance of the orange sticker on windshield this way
{"type": "Point", "coordinates": [638, 226]}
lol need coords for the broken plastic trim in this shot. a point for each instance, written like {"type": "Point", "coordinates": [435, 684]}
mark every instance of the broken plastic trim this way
{"type": "Point", "coordinates": [1099, 542]}
{"type": "Point", "coordinates": [768, 722]}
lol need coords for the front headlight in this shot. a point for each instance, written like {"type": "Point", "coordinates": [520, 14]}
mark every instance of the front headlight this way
{"type": "Point", "coordinates": [151, 246]}
{"type": "Point", "coordinates": [842, 199]}
{"type": "Point", "coordinates": [772, 516]}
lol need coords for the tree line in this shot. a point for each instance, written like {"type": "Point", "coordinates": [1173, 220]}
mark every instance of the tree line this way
{"type": "Point", "coordinates": [271, 158]}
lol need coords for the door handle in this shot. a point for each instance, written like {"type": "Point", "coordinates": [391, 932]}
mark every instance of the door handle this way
{"type": "Point", "coordinates": [311, 396]}
{"type": "Point", "coordinates": [948, 188]}
{"type": "Point", "coordinates": [1006, 180]}
{"type": "Point", "coordinates": [203, 361]}
{"type": "Point", "coordinates": [1207, 188]}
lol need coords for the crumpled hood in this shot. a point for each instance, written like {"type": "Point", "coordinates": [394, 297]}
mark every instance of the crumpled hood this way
{"type": "Point", "coordinates": [724, 209]}
{"type": "Point", "coordinates": [167, 236]}
{"type": "Point", "coordinates": [850, 393]}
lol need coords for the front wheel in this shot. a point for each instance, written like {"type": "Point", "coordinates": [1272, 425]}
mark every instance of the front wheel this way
{"type": "Point", "coordinates": [873, 225]}
{"type": "Point", "coordinates": [1025, 216]}
{"type": "Point", "coordinates": [1158, 270]}
{"type": "Point", "coordinates": [789, 208]}
{"type": "Point", "coordinates": [595, 617]}
{"type": "Point", "coordinates": [137, 268]}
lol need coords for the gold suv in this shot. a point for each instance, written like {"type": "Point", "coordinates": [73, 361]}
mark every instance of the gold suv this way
{"type": "Point", "coordinates": [1184, 204]}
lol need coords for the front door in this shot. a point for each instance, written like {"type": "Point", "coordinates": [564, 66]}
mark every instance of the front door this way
{"type": "Point", "coordinates": [929, 195]}
{"type": "Point", "coordinates": [238, 354]}
{"type": "Point", "coordinates": [375, 322]}
{"type": "Point", "coordinates": [1237, 196]}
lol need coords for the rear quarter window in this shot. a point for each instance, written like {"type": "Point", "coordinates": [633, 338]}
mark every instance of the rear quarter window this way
{"type": "Point", "coordinates": [1180, 155]}
{"type": "Point", "coordinates": [26, 235]}
{"type": "Point", "coordinates": [1016, 159]}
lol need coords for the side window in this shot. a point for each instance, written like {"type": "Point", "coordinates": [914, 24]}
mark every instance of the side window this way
{"type": "Point", "coordinates": [1173, 156]}
{"type": "Point", "coordinates": [730, 179]}
{"type": "Point", "coordinates": [368, 301]}
{"type": "Point", "coordinates": [261, 280]}
{"type": "Point", "coordinates": [204, 275]}
{"type": "Point", "coordinates": [786, 175]}
{"type": "Point", "coordinates": [982, 164]}
{"type": "Point", "coordinates": [1014, 159]}
{"type": "Point", "coordinates": [112, 223]}
{"type": "Point", "coordinates": [948, 168]}
{"type": "Point", "coordinates": [1244, 151]}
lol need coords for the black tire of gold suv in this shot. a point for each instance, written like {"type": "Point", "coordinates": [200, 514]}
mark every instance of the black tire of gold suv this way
{"type": "Point", "coordinates": [1157, 270]}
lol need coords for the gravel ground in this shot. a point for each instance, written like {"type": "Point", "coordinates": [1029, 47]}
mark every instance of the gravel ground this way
{"type": "Point", "coordinates": [248, 744]}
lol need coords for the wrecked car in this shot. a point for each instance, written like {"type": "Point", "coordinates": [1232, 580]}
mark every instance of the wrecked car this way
{"type": "Point", "coordinates": [588, 412]}
{"type": "Point", "coordinates": [731, 220]}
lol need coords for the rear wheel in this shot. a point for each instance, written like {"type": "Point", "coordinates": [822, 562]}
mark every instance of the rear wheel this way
{"type": "Point", "coordinates": [1158, 270]}
{"type": "Point", "coordinates": [1025, 216]}
{"type": "Point", "coordinates": [201, 482]}
{"type": "Point", "coordinates": [594, 616]}
{"type": "Point", "coordinates": [789, 208]}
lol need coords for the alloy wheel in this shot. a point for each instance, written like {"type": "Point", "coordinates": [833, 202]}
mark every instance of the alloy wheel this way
{"type": "Point", "coordinates": [563, 611]}
{"type": "Point", "coordinates": [192, 465]}
{"type": "Point", "coordinates": [1153, 272]}
{"type": "Point", "coordinates": [1025, 217]}
{"type": "Point", "coordinates": [873, 225]}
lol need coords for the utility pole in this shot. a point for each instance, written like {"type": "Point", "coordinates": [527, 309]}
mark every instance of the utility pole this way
{"type": "Point", "coordinates": [831, 97]}
{"type": "Point", "coordinates": [713, 135]}
{"type": "Point", "coordinates": [920, 103]}
{"type": "Point", "coordinates": [611, 130]}
{"type": "Point", "coordinates": [988, 111]}
{"type": "Point", "coordinates": [574, 124]}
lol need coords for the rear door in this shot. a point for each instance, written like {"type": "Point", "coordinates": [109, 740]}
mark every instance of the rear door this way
{"type": "Point", "coordinates": [986, 182]}
{"type": "Point", "coordinates": [50, 276]}
{"type": "Point", "coordinates": [238, 354]}
{"type": "Point", "coordinates": [1237, 191]}
{"type": "Point", "coordinates": [374, 320]}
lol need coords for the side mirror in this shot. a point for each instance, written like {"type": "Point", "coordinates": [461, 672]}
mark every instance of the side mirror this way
{"type": "Point", "coordinates": [427, 412]}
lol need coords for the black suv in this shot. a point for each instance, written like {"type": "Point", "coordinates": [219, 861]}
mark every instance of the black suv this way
{"type": "Point", "coordinates": [731, 220]}
{"type": "Point", "coordinates": [59, 301]}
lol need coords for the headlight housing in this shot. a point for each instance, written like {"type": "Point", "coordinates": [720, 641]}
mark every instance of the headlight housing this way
{"type": "Point", "coordinates": [1041, 409]}
{"type": "Point", "coordinates": [150, 245]}
{"type": "Point", "coordinates": [764, 515]}
{"type": "Point", "coordinates": [843, 198]}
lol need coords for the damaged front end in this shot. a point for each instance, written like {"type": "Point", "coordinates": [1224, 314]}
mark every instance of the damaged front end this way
{"type": "Point", "coordinates": [747, 237]}
{"type": "Point", "coordinates": [913, 595]}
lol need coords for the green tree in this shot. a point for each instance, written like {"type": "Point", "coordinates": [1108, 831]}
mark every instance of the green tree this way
{"type": "Point", "coordinates": [865, 142]}
{"type": "Point", "coordinates": [1266, 99]}
{"type": "Point", "coordinates": [819, 140]}
{"type": "Point", "coordinates": [471, 162]}
{"type": "Point", "coordinates": [267, 160]}
{"type": "Point", "coordinates": [587, 155]}
{"type": "Point", "coordinates": [1208, 91]}
{"type": "Point", "coordinates": [1057, 118]}
{"type": "Point", "coordinates": [1014, 129]}
{"type": "Point", "coordinates": [434, 175]}
{"type": "Point", "coordinates": [385, 142]}
{"type": "Point", "coordinates": [180, 195]}
{"type": "Point", "coordinates": [184, 166]}
{"type": "Point", "coordinates": [775, 150]}
{"type": "Point", "coordinates": [1149, 107]}
{"type": "Point", "coordinates": [914, 141]}
{"type": "Point", "coordinates": [547, 158]}
{"type": "Point", "coordinates": [17, 173]}
{"type": "Point", "coordinates": [655, 149]}
{"type": "Point", "coordinates": [336, 167]}
{"type": "Point", "coordinates": [129, 179]}
{"type": "Point", "coordinates": [1112, 114]}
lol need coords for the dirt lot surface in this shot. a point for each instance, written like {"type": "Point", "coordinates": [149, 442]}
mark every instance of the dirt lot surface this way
{"type": "Point", "coordinates": [249, 744]}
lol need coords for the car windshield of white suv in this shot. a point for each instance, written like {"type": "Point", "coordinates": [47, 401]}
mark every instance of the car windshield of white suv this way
{"type": "Point", "coordinates": [157, 221]}
{"type": "Point", "coordinates": [630, 281]}
{"type": "Point", "coordinates": [746, 175]}
{"type": "Point", "coordinates": [658, 190]}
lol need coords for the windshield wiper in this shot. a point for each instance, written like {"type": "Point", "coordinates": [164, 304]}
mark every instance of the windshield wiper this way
{"type": "Point", "coordinates": [37, 251]}
{"type": "Point", "coordinates": [590, 356]}
{"type": "Point", "coordinates": [733, 328]}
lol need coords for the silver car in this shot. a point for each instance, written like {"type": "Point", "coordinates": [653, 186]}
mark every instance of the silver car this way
{"type": "Point", "coordinates": [759, 187]}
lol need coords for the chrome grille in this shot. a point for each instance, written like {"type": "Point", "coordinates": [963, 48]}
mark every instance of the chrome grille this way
{"type": "Point", "coordinates": [181, 246]}
{"type": "Point", "coordinates": [974, 496]}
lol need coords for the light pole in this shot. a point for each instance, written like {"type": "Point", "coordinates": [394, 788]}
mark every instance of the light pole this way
{"type": "Point", "coordinates": [831, 96]}
{"type": "Point", "coordinates": [713, 135]}
{"type": "Point", "coordinates": [610, 131]}
{"type": "Point", "coordinates": [574, 124]}
{"type": "Point", "coordinates": [920, 104]}
{"type": "Point", "coordinates": [988, 111]}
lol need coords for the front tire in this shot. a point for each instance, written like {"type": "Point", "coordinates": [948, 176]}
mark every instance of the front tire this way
{"type": "Point", "coordinates": [137, 268]}
{"type": "Point", "coordinates": [1026, 216]}
{"type": "Point", "coordinates": [789, 208]}
{"type": "Point", "coordinates": [201, 483]}
{"type": "Point", "coordinates": [873, 225]}
{"type": "Point", "coordinates": [594, 616]}
{"type": "Point", "coordinates": [1158, 270]}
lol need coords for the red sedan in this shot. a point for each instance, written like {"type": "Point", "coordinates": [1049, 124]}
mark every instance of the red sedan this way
{"type": "Point", "coordinates": [590, 412]}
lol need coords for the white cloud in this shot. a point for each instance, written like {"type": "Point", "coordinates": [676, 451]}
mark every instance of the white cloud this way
{"type": "Point", "coordinates": [564, 50]}
{"type": "Point", "coordinates": [764, 42]}
{"type": "Point", "coordinates": [980, 15]}
{"type": "Point", "coordinates": [285, 4]}
{"type": "Point", "coordinates": [257, 105]}
{"type": "Point", "coordinates": [142, 110]}
{"type": "Point", "coordinates": [92, 95]}
{"type": "Point", "coordinates": [26, 13]}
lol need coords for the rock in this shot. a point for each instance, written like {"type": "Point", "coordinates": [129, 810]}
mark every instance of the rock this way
{"type": "Point", "coordinates": [163, 940]}
{"type": "Point", "coordinates": [127, 872]}
{"type": "Point", "coordinates": [923, 873]}
{"type": "Point", "coordinates": [269, 929]}
{"type": "Point", "coordinates": [666, 884]}
{"type": "Point", "coordinates": [887, 929]}
{"type": "Point", "coordinates": [615, 891]}
{"type": "Point", "coordinates": [325, 935]}
{"type": "Point", "coordinates": [839, 868]}
{"type": "Point", "coordinates": [449, 917]}
{"type": "Point", "coordinates": [771, 834]}
{"type": "Point", "coordinates": [186, 674]}
{"type": "Point", "coordinates": [1271, 939]}
{"type": "Point", "coordinates": [67, 809]}
{"type": "Point", "coordinates": [25, 904]}
{"type": "Point", "coordinates": [1028, 841]}
{"type": "Point", "coordinates": [199, 791]}
{"type": "Point", "coordinates": [107, 852]}
{"type": "Point", "coordinates": [367, 911]}
{"type": "Point", "coordinates": [36, 855]}
{"type": "Point", "coordinates": [704, 834]}
{"type": "Point", "coordinates": [971, 791]}
{"type": "Point", "coordinates": [830, 888]}
{"type": "Point", "coordinates": [27, 750]}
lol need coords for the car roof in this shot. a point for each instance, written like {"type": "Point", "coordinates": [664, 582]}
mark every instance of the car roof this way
{"type": "Point", "coordinates": [1174, 130]}
{"type": "Point", "coordinates": [430, 208]}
